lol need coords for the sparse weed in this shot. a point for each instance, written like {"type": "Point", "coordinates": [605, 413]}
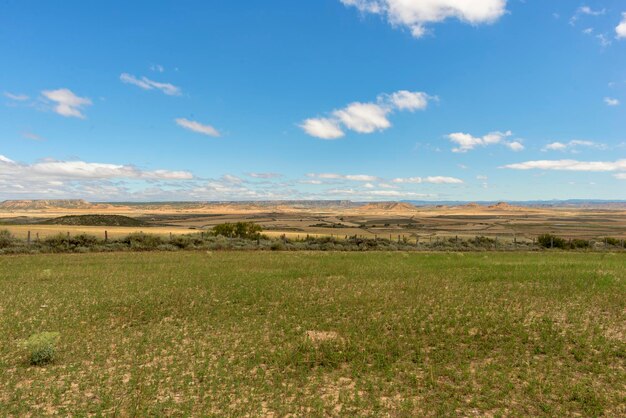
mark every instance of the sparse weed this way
{"type": "Point", "coordinates": [42, 347]}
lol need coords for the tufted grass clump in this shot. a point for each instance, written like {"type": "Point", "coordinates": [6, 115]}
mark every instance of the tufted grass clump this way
{"type": "Point", "coordinates": [42, 347]}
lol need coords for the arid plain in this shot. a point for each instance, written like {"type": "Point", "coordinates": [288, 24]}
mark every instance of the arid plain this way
{"type": "Point", "coordinates": [325, 218]}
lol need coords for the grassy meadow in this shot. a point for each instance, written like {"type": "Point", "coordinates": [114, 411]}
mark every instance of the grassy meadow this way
{"type": "Point", "coordinates": [316, 333]}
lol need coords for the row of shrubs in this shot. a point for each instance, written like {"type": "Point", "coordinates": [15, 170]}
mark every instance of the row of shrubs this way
{"type": "Point", "coordinates": [140, 241]}
{"type": "Point", "coordinates": [552, 241]}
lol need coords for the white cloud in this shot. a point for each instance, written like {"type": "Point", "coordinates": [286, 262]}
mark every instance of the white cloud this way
{"type": "Point", "coordinates": [609, 101]}
{"type": "Point", "coordinates": [603, 39]}
{"type": "Point", "coordinates": [467, 142]}
{"type": "Point", "coordinates": [326, 176]}
{"type": "Point", "coordinates": [620, 30]}
{"type": "Point", "coordinates": [322, 128]}
{"type": "Point", "coordinates": [570, 165]}
{"type": "Point", "coordinates": [417, 14]}
{"type": "Point", "coordinates": [408, 100]}
{"type": "Point", "coordinates": [375, 193]}
{"type": "Point", "coordinates": [147, 84]}
{"type": "Point", "coordinates": [585, 10]}
{"type": "Point", "coordinates": [442, 180]}
{"type": "Point", "coordinates": [366, 118]}
{"type": "Point", "coordinates": [157, 68]}
{"type": "Point", "coordinates": [555, 146]}
{"type": "Point", "coordinates": [515, 146]}
{"type": "Point", "coordinates": [81, 169]}
{"type": "Point", "coordinates": [16, 97]}
{"type": "Point", "coordinates": [66, 102]}
{"type": "Point", "coordinates": [429, 179]}
{"type": "Point", "coordinates": [408, 180]}
{"type": "Point", "coordinates": [54, 169]}
{"type": "Point", "coordinates": [620, 176]}
{"type": "Point", "coordinates": [335, 176]}
{"type": "Point", "coordinates": [360, 177]}
{"type": "Point", "coordinates": [197, 127]}
{"type": "Point", "coordinates": [55, 179]}
{"type": "Point", "coordinates": [572, 145]}
{"type": "Point", "coordinates": [265, 175]}
{"type": "Point", "coordinates": [229, 178]}
{"type": "Point", "coordinates": [32, 136]}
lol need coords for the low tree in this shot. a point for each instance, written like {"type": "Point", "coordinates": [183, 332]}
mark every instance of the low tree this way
{"type": "Point", "coordinates": [247, 230]}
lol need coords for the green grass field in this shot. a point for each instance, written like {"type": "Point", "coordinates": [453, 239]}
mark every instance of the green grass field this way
{"type": "Point", "coordinates": [312, 334]}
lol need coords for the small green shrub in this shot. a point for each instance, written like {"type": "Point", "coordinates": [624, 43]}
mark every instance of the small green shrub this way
{"type": "Point", "coordinates": [483, 242]}
{"type": "Point", "coordinates": [6, 239]}
{"type": "Point", "coordinates": [83, 240]}
{"type": "Point", "coordinates": [42, 347]}
{"type": "Point", "coordinates": [277, 246]}
{"type": "Point", "coordinates": [551, 241]}
{"type": "Point", "coordinates": [612, 241]}
{"type": "Point", "coordinates": [579, 243]}
{"type": "Point", "coordinates": [142, 241]}
{"type": "Point", "coordinates": [57, 242]}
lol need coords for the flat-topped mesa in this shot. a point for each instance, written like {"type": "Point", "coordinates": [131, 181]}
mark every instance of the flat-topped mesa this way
{"type": "Point", "coordinates": [46, 204]}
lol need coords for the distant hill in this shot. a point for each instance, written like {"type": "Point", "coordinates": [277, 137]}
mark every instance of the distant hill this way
{"type": "Point", "coordinates": [388, 207]}
{"type": "Point", "coordinates": [501, 205]}
{"type": "Point", "coordinates": [95, 220]}
{"type": "Point", "coordinates": [46, 204]}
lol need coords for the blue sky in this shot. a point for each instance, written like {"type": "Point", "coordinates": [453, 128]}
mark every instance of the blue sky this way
{"type": "Point", "coordinates": [325, 99]}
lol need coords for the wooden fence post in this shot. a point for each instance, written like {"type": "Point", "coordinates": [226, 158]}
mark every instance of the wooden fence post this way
{"type": "Point", "coordinates": [106, 236]}
{"type": "Point", "coordinates": [28, 238]}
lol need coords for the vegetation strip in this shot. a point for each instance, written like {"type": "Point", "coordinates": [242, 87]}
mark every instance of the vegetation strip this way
{"type": "Point", "coordinates": [248, 236]}
{"type": "Point", "coordinates": [313, 334]}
